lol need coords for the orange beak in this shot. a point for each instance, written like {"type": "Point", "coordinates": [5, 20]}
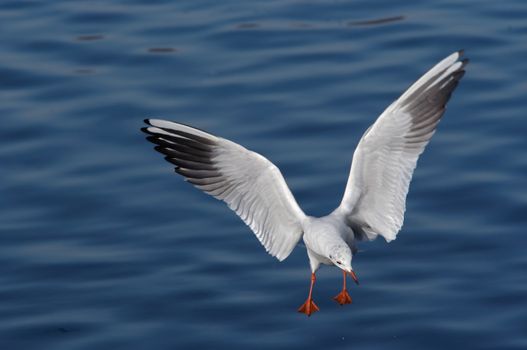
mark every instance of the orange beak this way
{"type": "Point", "coordinates": [354, 276]}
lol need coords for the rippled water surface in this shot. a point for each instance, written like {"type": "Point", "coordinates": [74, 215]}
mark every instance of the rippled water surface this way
{"type": "Point", "coordinates": [103, 247]}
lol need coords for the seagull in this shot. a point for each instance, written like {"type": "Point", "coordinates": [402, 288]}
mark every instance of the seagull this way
{"type": "Point", "coordinates": [375, 196]}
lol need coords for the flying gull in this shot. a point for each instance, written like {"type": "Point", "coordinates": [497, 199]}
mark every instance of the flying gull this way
{"type": "Point", "coordinates": [374, 199]}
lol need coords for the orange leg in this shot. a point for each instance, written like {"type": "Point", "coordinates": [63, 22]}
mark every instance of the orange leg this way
{"type": "Point", "coordinates": [343, 297]}
{"type": "Point", "coordinates": [309, 307]}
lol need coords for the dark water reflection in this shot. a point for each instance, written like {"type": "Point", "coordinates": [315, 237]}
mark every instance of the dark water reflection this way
{"type": "Point", "coordinates": [102, 247]}
{"type": "Point", "coordinates": [378, 21]}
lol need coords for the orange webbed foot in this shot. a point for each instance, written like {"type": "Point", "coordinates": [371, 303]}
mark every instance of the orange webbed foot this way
{"type": "Point", "coordinates": [309, 307]}
{"type": "Point", "coordinates": [343, 297]}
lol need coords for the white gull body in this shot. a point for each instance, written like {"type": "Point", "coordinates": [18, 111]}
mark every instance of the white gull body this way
{"type": "Point", "coordinates": [374, 199]}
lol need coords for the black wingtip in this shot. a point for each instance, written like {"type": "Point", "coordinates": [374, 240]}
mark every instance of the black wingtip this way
{"type": "Point", "coordinates": [459, 75]}
{"type": "Point", "coordinates": [151, 138]}
{"type": "Point", "coordinates": [461, 52]}
{"type": "Point", "coordinates": [147, 121]}
{"type": "Point", "coordinates": [145, 130]}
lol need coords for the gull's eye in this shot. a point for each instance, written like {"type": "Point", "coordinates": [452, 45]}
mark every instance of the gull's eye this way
{"type": "Point", "coordinates": [339, 263]}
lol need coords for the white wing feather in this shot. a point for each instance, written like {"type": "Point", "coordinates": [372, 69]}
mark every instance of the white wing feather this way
{"type": "Point", "coordinates": [383, 163]}
{"type": "Point", "coordinates": [247, 182]}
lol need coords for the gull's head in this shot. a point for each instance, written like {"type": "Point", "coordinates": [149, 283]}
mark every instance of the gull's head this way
{"type": "Point", "coordinates": [341, 256]}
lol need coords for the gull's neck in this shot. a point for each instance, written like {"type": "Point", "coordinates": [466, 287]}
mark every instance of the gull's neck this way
{"type": "Point", "coordinates": [320, 234]}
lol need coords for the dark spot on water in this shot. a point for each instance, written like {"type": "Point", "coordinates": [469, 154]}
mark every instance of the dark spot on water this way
{"type": "Point", "coordinates": [377, 21]}
{"type": "Point", "coordinates": [90, 37]}
{"type": "Point", "coordinates": [162, 50]}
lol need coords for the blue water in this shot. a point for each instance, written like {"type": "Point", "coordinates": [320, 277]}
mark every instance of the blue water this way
{"type": "Point", "coordinates": [102, 246]}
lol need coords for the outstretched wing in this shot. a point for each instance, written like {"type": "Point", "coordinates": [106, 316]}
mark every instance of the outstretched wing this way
{"type": "Point", "coordinates": [250, 184]}
{"type": "Point", "coordinates": [383, 163]}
